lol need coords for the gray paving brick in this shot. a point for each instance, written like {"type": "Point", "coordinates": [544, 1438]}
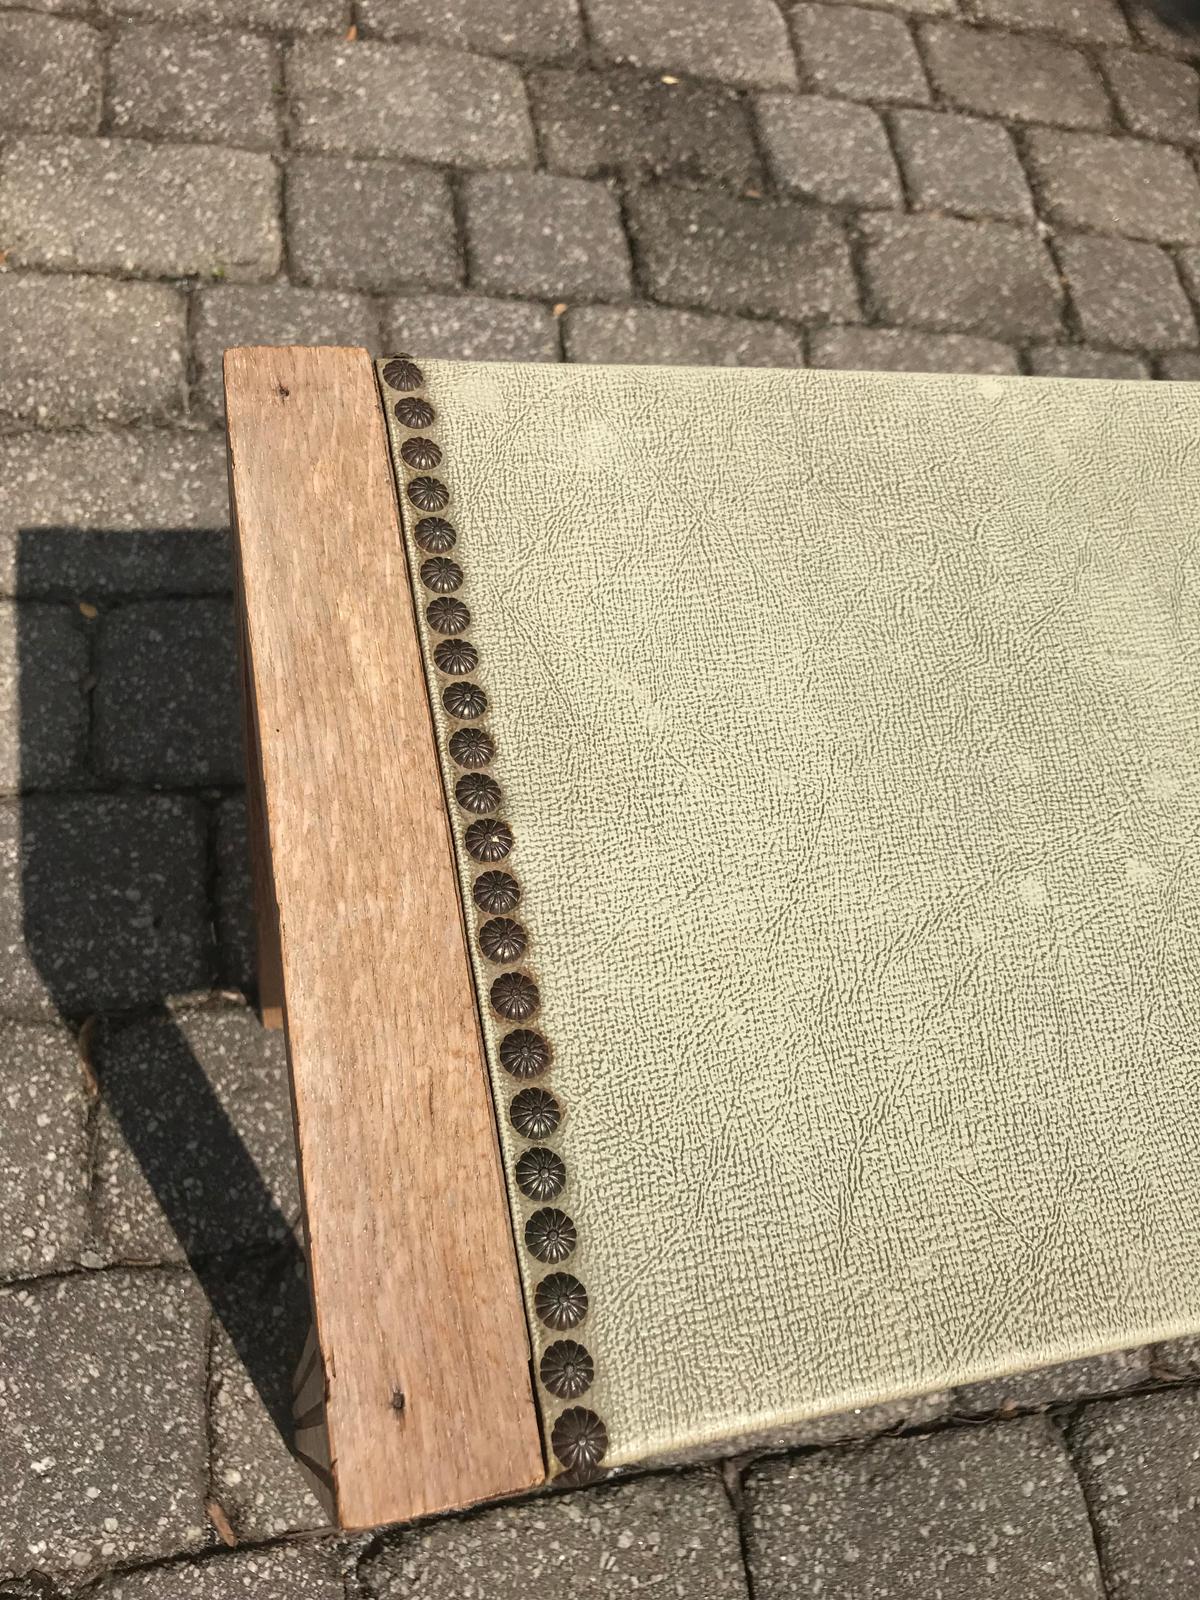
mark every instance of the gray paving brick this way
{"type": "Point", "coordinates": [916, 8]}
{"type": "Point", "coordinates": [1126, 293]}
{"type": "Point", "coordinates": [736, 41]}
{"type": "Point", "coordinates": [414, 101]}
{"type": "Point", "coordinates": [91, 515]}
{"type": "Point", "coordinates": [166, 703]}
{"type": "Point", "coordinates": [193, 1137]}
{"type": "Point", "coordinates": [677, 1535]}
{"type": "Point", "coordinates": [1117, 185]}
{"type": "Point", "coordinates": [1091, 21]}
{"type": "Point", "coordinates": [1070, 1380]}
{"type": "Point", "coordinates": [130, 478]}
{"type": "Point", "coordinates": [1182, 366]}
{"type": "Point", "coordinates": [1175, 1359]}
{"type": "Point", "coordinates": [546, 30]}
{"type": "Point", "coordinates": [121, 205]}
{"type": "Point", "coordinates": [258, 1483]}
{"type": "Point", "coordinates": [1076, 361]}
{"type": "Point", "coordinates": [370, 225]}
{"type": "Point", "coordinates": [102, 903]}
{"type": "Point", "coordinates": [1189, 268]}
{"type": "Point", "coordinates": [1159, 99]}
{"type": "Point", "coordinates": [176, 83]}
{"type": "Point", "coordinates": [1155, 31]}
{"type": "Point", "coordinates": [43, 1156]}
{"type": "Point", "coordinates": [622, 124]}
{"type": "Point", "coordinates": [645, 335]}
{"type": "Point", "coordinates": [43, 702]}
{"type": "Point", "coordinates": [961, 164]}
{"type": "Point", "coordinates": [50, 71]}
{"type": "Point", "coordinates": [227, 316]}
{"type": "Point", "coordinates": [468, 328]}
{"type": "Point", "coordinates": [1139, 1461]}
{"type": "Point", "coordinates": [901, 350]}
{"type": "Point", "coordinates": [979, 277]}
{"type": "Point", "coordinates": [102, 1435]}
{"type": "Point", "coordinates": [82, 350]}
{"type": "Point", "coordinates": [975, 1511]}
{"type": "Point", "coordinates": [534, 234]}
{"type": "Point", "coordinates": [303, 1572]}
{"type": "Point", "coordinates": [279, 16]}
{"type": "Point", "coordinates": [1014, 75]}
{"type": "Point", "coordinates": [854, 51]}
{"type": "Point", "coordinates": [234, 898]}
{"type": "Point", "coordinates": [720, 254]}
{"type": "Point", "coordinates": [829, 150]}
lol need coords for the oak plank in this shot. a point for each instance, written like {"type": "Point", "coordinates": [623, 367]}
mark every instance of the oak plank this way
{"type": "Point", "coordinates": [412, 1262]}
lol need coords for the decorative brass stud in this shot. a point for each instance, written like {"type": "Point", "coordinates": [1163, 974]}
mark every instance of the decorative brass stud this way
{"type": "Point", "coordinates": [541, 1174]}
{"type": "Point", "coordinates": [420, 453]}
{"type": "Point", "coordinates": [413, 411]}
{"type": "Point", "coordinates": [428, 494]}
{"type": "Point", "coordinates": [561, 1301]}
{"type": "Point", "coordinates": [514, 996]}
{"type": "Point", "coordinates": [402, 372]}
{"type": "Point", "coordinates": [441, 575]}
{"type": "Point", "coordinates": [447, 616]}
{"type": "Point", "coordinates": [435, 534]}
{"type": "Point", "coordinates": [496, 891]}
{"type": "Point", "coordinates": [455, 656]}
{"type": "Point", "coordinates": [471, 747]}
{"type": "Point", "coordinates": [566, 1369]}
{"type": "Point", "coordinates": [579, 1439]}
{"type": "Point", "coordinates": [477, 792]}
{"type": "Point", "coordinates": [550, 1235]}
{"type": "Point", "coordinates": [535, 1113]}
{"type": "Point", "coordinates": [464, 700]}
{"type": "Point", "coordinates": [488, 840]}
{"type": "Point", "coordinates": [501, 939]}
{"type": "Point", "coordinates": [524, 1053]}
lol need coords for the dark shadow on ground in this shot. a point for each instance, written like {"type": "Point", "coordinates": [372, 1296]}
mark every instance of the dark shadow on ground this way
{"type": "Point", "coordinates": [117, 891]}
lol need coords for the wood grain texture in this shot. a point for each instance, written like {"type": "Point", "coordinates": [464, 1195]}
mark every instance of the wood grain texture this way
{"type": "Point", "coordinates": [411, 1252]}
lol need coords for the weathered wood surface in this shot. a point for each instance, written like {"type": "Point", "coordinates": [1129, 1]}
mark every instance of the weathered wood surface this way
{"type": "Point", "coordinates": [419, 1319]}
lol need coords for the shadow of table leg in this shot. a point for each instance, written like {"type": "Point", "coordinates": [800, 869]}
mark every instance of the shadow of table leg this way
{"type": "Point", "coordinates": [113, 882]}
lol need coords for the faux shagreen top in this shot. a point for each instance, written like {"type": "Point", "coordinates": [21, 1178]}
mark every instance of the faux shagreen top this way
{"type": "Point", "coordinates": [822, 753]}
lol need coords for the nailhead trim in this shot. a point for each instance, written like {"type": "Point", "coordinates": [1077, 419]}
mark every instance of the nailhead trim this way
{"type": "Point", "coordinates": [578, 1437]}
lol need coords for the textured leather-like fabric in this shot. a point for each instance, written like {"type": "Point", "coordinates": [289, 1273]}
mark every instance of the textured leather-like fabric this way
{"type": "Point", "coordinates": [848, 728]}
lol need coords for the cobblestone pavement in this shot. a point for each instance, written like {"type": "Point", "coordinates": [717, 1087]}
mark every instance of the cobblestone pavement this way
{"type": "Point", "coordinates": [980, 185]}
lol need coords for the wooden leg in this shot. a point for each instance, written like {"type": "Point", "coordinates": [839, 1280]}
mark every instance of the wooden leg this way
{"type": "Point", "coordinates": [266, 912]}
{"type": "Point", "coordinates": [310, 1443]}
{"type": "Point", "coordinates": [268, 961]}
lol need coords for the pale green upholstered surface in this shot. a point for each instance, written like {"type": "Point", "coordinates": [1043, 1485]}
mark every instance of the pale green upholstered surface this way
{"type": "Point", "coordinates": [848, 728]}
